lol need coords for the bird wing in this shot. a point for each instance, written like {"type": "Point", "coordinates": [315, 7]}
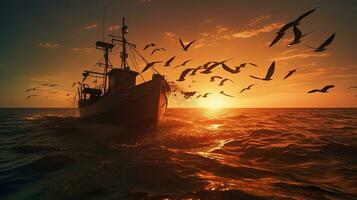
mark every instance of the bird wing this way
{"type": "Point", "coordinates": [305, 15]}
{"type": "Point", "coordinates": [147, 46]}
{"type": "Point", "coordinates": [206, 65]}
{"type": "Point", "coordinates": [222, 92]}
{"type": "Point", "coordinates": [327, 88]}
{"type": "Point", "coordinates": [154, 51]}
{"type": "Point", "coordinates": [222, 82]}
{"type": "Point", "coordinates": [184, 63]}
{"type": "Point", "coordinates": [214, 77]}
{"type": "Point", "coordinates": [327, 42]}
{"type": "Point", "coordinates": [228, 69]}
{"type": "Point", "coordinates": [289, 74]}
{"type": "Point", "coordinates": [182, 44]}
{"type": "Point", "coordinates": [297, 34]}
{"type": "Point", "coordinates": [206, 94]}
{"type": "Point", "coordinates": [313, 91]}
{"type": "Point", "coordinates": [243, 90]}
{"type": "Point", "coordinates": [169, 61]}
{"type": "Point", "coordinates": [286, 27]}
{"type": "Point", "coordinates": [184, 73]}
{"type": "Point", "coordinates": [195, 70]}
{"type": "Point", "coordinates": [149, 65]}
{"type": "Point", "coordinates": [250, 86]}
{"type": "Point", "coordinates": [277, 38]}
{"type": "Point", "coordinates": [255, 77]}
{"type": "Point", "coordinates": [270, 71]}
{"type": "Point", "coordinates": [189, 44]}
{"type": "Point", "coordinates": [255, 65]}
{"type": "Point", "coordinates": [213, 66]}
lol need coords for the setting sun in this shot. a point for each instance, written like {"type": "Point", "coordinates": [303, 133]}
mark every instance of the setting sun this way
{"type": "Point", "coordinates": [214, 101]}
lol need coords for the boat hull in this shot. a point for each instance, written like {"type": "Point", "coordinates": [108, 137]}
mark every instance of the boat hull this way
{"type": "Point", "coordinates": [139, 106]}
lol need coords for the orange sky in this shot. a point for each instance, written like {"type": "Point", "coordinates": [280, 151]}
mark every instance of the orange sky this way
{"type": "Point", "coordinates": [57, 44]}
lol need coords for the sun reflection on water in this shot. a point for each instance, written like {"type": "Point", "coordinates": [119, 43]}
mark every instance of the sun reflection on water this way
{"type": "Point", "coordinates": [214, 126]}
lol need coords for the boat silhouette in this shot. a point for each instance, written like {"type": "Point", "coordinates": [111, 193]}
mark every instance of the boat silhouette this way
{"type": "Point", "coordinates": [118, 99]}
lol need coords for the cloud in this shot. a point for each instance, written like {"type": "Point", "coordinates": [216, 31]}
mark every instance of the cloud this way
{"type": "Point", "coordinates": [83, 50]}
{"type": "Point", "coordinates": [255, 32]}
{"type": "Point", "coordinates": [205, 34]}
{"type": "Point", "coordinates": [301, 55]}
{"type": "Point", "coordinates": [203, 43]}
{"type": "Point", "coordinates": [113, 27]}
{"type": "Point", "coordinates": [169, 36]}
{"type": "Point", "coordinates": [258, 19]}
{"type": "Point", "coordinates": [207, 21]}
{"type": "Point", "coordinates": [90, 26]}
{"type": "Point", "coordinates": [48, 45]}
{"type": "Point", "coordinates": [221, 30]}
{"type": "Point", "coordinates": [330, 72]}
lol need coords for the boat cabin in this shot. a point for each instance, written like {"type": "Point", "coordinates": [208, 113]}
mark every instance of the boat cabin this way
{"type": "Point", "coordinates": [121, 79]}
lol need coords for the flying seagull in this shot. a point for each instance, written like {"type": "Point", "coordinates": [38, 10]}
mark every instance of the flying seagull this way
{"type": "Point", "coordinates": [149, 65]}
{"type": "Point", "coordinates": [323, 46]}
{"type": "Point", "coordinates": [291, 73]}
{"type": "Point", "coordinates": [323, 90]}
{"type": "Point", "coordinates": [185, 47]}
{"type": "Point", "coordinates": [184, 73]}
{"type": "Point", "coordinates": [157, 49]}
{"type": "Point", "coordinates": [183, 64]}
{"type": "Point", "coordinates": [244, 64]}
{"type": "Point", "coordinates": [206, 95]}
{"type": "Point", "coordinates": [32, 89]}
{"type": "Point", "coordinates": [224, 80]}
{"type": "Point", "coordinates": [188, 95]}
{"type": "Point", "coordinates": [269, 73]}
{"type": "Point", "coordinates": [283, 29]}
{"type": "Point", "coordinates": [214, 77]}
{"type": "Point", "coordinates": [168, 62]}
{"type": "Point", "coordinates": [149, 45]}
{"type": "Point", "coordinates": [247, 88]}
{"type": "Point", "coordinates": [230, 70]}
{"type": "Point", "coordinates": [203, 96]}
{"type": "Point", "coordinates": [33, 95]}
{"type": "Point", "coordinates": [222, 92]}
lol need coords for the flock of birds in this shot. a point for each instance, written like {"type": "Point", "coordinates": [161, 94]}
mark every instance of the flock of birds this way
{"type": "Point", "coordinates": [208, 67]}
{"type": "Point", "coordinates": [48, 89]}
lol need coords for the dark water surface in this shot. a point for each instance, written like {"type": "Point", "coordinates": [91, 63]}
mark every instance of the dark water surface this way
{"type": "Point", "coordinates": [193, 154]}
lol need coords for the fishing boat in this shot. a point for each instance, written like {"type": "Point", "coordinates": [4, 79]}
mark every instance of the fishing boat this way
{"type": "Point", "coordinates": [118, 99]}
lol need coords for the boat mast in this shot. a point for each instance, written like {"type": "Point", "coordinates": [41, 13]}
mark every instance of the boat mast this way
{"type": "Point", "coordinates": [124, 55]}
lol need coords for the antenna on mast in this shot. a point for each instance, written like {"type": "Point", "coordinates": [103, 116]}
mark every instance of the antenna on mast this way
{"type": "Point", "coordinates": [103, 23]}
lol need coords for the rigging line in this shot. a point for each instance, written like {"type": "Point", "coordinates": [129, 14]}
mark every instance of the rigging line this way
{"type": "Point", "coordinates": [142, 57]}
{"type": "Point", "coordinates": [136, 63]}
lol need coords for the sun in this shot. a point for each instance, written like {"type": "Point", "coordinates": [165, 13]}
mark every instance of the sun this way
{"type": "Point", "coordinates": [214, 102]}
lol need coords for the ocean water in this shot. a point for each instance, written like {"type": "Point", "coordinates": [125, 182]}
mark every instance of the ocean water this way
{"type": "Point", "coordinates": [192, 154]}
